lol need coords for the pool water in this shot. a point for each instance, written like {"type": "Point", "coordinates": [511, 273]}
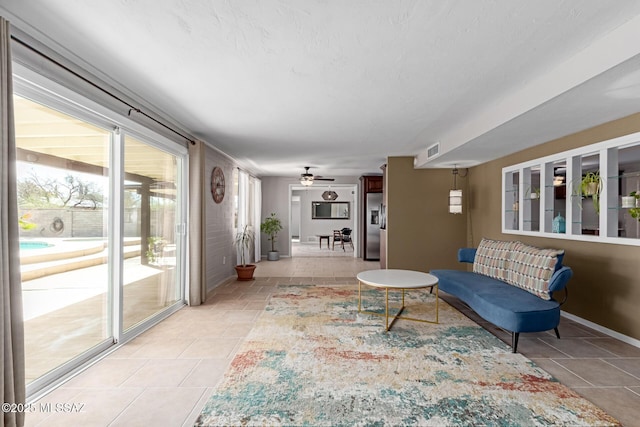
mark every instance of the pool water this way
{"type": "Point", "coordinates": [34, 245]}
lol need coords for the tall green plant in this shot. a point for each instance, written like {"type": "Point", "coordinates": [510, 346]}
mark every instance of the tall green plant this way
{"type": "Point", "coordinates": [271, 226]}
{"type": "Point", "coordinates": [243, 241]}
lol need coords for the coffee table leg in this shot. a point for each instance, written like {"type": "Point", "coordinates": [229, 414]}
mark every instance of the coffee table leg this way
{"type": "Point", "coordinates": [387, 325]}
{"type": "Point", "coordinates": [386, 309]}
{"type": "Point", "coordinates": [437, 299]}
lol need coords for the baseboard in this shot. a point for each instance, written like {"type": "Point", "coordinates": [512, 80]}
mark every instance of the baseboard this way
{"type": "Point", "coordinates": [222, 282]}
{"type": "Point", "coordinates": [617, 335]}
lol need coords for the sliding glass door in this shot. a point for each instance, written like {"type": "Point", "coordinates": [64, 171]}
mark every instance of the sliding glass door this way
{"type": "Point", "coordinates": [152, 280]}
{"type": "Point", "coordinates": [102, 229]}
{"type": "Point", "coordinates": [63, 184]}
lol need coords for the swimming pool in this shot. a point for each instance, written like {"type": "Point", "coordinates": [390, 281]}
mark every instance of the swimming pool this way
{"type": "Point", "coordinates": [30, 245]}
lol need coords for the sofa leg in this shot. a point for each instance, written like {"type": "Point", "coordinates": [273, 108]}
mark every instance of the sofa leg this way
{"type": "Point", "coordinates": [557, 332]}
{"type": "Point", "coordinates": [514, 341]}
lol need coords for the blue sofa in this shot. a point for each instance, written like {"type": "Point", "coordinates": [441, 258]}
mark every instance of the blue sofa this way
{"type": "Point", "coordinates": [504, 304]}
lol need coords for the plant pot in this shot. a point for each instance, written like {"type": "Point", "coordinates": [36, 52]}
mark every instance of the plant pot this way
{"type": "Point", "coordinates": [245, 272]}
{"type": "Point", "coordinates": [628, 202]}
{"type": "Point", "coordinates": [590, 188]}
{"type": "Point", "coordinates": [273, 255]}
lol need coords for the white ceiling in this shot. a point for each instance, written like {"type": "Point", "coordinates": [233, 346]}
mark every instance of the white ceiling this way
{"type": "Point", "coordinates": [340, 85]}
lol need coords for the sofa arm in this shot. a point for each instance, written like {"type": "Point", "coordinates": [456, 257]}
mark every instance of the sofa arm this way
{"type": "Point", "coordinates": [466, 255]}
{"type": "Point", "coordinates": [559, 279]}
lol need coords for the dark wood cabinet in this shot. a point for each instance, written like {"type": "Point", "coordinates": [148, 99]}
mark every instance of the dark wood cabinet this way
{"type": "Point", "coordinates": [372, 184]}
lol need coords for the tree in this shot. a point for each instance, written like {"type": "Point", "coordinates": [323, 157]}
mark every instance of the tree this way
{"type": "Point", "coordinates": [42, 192]}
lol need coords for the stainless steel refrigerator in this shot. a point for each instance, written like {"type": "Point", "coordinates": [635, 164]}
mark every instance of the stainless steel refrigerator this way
{"type": "Point", "coordinates": [373, 222]}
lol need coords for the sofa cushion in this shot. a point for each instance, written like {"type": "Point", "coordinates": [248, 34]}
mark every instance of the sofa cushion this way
{"type": "Point", "coordinates": [493, 258]}
{"type": "Point", "coordinates": [531, 268]}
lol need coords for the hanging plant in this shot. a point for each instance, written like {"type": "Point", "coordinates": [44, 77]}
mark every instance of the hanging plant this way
{"type": "Point", "coordinates": [590, 186]}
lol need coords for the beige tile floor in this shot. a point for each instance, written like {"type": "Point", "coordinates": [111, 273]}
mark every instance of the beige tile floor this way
{"type": "Point", "coordinates": [163, 377]}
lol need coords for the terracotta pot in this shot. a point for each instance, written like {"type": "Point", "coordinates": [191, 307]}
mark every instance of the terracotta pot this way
{"type": "Point", "coordinates": [245, 272]}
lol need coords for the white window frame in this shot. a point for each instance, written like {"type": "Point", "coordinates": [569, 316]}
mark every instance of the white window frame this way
{"type": "Point", "coordinates": [607, 152]}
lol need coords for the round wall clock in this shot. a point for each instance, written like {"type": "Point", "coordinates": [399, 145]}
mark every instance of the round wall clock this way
{"type": "Point", "coordinates": [217, 184]}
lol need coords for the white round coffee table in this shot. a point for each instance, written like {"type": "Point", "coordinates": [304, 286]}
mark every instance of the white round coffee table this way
{"type": "Point", "coordinates": [396, 279]}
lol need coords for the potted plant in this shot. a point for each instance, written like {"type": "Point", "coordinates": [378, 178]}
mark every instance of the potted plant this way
{"type": "Point", "coordinates": [591, 186]}
{"type": "Point", "coordinates": [533, 193]}
{"type": "Point", "coordinates": [271, 226]}
{"type": "Point", "coordinates": [243, 241]}
{"type": "Point", "coordinates": [154, 248]}
{"type": "Point", "coordinates": [635, 212]}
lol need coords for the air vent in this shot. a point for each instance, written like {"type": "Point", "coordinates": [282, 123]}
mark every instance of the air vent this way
{"type": "Point", "coordinates": [433, 151]}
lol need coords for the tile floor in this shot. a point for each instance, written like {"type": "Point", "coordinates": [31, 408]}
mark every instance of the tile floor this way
{"type": "Point", "coordinates": [163, 377]}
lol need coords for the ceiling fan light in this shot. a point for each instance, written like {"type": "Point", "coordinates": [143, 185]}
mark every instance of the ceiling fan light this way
{"type": "Point", "coordinates": [306, 182]}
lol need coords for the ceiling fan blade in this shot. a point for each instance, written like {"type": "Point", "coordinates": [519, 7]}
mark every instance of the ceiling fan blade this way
{"type": "Point", "coordinates": [308, 176]}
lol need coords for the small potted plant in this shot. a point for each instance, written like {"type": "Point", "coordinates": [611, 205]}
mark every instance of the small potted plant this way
{"type": "Point", "coordinates": [628, 201]}
{"type": "Point", "coordinates": [271, 226]}
{"type": "Point", "coordinates": [155, 245]}
{"type": "Point", "coordinates": [591, 186]}
{"type": "Point", "coordinates": [244, 239]}
{"type": "Point", "coordinates": [533, 193]}
{"type": "Point", "coordinates": [635, 211]}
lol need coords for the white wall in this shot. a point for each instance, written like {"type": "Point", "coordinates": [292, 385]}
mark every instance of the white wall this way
{"type": "Point", "coordinates": [310, 228]}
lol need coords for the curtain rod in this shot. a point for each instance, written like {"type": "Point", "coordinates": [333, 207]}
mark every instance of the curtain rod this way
{"type": "Point", "coordinates": [84, 79]}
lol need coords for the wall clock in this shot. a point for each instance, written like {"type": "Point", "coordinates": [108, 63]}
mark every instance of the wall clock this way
{"type": "Point", "coordinates": [217, 184]}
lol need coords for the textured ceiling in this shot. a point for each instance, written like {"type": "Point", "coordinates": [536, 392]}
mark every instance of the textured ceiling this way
{"type": "Point", "coordinates": [340, 86]}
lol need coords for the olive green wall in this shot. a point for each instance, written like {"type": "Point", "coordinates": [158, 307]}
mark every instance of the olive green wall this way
{"type": "Point", "coordinates": [605, 288]}
{"type": "Point", "coordinates": [421, 234]}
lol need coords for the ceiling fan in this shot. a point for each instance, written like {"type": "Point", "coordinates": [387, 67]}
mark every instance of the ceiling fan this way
{"type": "Point", "coordinates": [307, 178]}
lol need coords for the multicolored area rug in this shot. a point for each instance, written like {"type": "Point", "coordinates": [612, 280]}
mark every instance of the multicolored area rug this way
{"type": "Point", "coordinates": [313, 360]}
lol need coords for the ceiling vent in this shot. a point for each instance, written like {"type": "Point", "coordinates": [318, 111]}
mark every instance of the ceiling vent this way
{"type": "Point", "coordinates": [433, 151]}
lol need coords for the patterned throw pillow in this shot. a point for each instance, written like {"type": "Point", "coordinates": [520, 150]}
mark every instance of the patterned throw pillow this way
{"type": "Point", "coordinates": [493, 258]}
{"type": "Point", "coordinates": [531, 269]}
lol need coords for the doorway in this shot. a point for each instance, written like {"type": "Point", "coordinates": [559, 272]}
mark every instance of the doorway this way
{"type": "Point", "coordinates": [313, 237]}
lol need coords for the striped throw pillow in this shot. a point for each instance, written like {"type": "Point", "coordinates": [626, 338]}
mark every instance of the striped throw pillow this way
{"type": "Point", "coordinates": [493, 258]}
{"type": "Point", "coordinates": [531, 269]}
